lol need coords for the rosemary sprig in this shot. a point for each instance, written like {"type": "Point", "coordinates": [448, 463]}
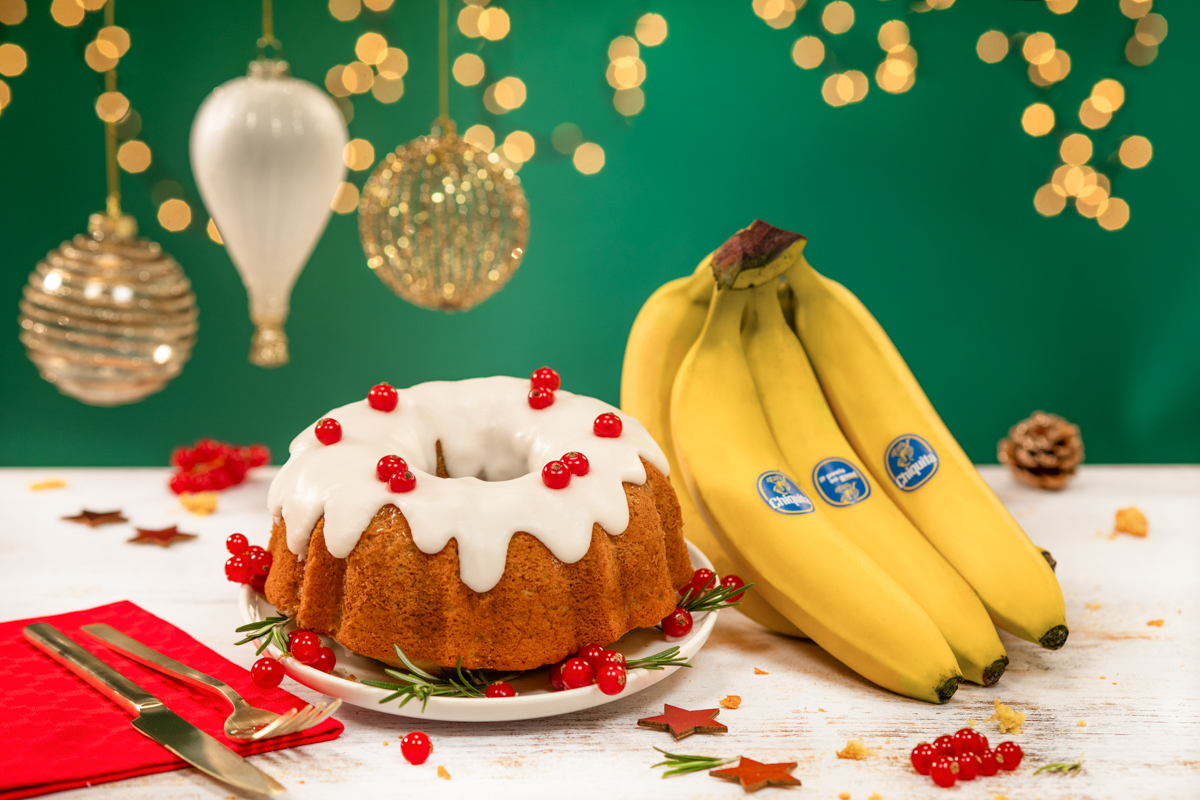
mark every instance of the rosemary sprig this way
{"type": "Point", "coordinates": [667, 658]}
{"type": "Point", "coordinates": [419, 684]}
{"type": "Point", "coordinates": [270, 630]}
{"type": "Point", "coordinates": [680, 764]}
{"type": "Point", "coordinates": [713, 599]}
{"type": "Point", "coordinates": [1062, 767]}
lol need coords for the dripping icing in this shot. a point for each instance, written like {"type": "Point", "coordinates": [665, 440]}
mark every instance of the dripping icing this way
{"type": "Point", "coordinates": [494, 444]}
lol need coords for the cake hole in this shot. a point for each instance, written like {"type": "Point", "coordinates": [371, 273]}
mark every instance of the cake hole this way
{"type": "Point", "coordinates": [497, 458]}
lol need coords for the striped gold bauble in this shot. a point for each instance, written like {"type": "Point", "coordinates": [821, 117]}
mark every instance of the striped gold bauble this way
{"type": "Point", "coordinates": [108, 318]}
{"type": "Point", "coordinates": [442, 222]}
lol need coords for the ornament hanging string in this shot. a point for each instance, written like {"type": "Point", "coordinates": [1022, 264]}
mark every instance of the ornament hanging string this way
{"type": "Point", "coordinates": [268, 39]}
{"type": "Point", "coordinates": [113, 203]}
{"type": "Point", "coordinates": [443, 65]}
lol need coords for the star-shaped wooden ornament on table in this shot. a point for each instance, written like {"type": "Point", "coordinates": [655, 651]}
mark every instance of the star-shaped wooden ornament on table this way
{"type": "Point", "coordinates": [95, 518]}
{"type": "Point", "coordinates": [681, 723]}
{"type": "Point", "coordinates": [163, 538]}
{"type": "Point", "coordinates": [754, 775]}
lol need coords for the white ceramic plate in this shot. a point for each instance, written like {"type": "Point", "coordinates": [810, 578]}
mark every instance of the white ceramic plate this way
{"type": "Point", "coordinates": [535, 697]}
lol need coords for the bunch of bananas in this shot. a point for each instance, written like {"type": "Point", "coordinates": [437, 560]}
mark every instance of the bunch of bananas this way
{"type": "Point", "coordinates": [807, 459]}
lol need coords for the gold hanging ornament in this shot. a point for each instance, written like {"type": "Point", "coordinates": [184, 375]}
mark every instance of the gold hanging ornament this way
{"type": "Point", "coordinates": [108, 318]}
{"type": "Point", "coordinates": [443, 223]}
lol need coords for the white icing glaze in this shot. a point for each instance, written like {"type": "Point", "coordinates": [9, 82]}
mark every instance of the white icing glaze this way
{"type": "Point", "coordinates": [490, 435]}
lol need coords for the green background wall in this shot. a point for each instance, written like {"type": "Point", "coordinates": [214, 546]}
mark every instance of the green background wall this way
{"type": "Point", "coordinates": [920, 203]}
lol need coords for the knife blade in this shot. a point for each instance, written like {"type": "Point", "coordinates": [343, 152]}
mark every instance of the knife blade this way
{"type": "Point", "coordinates": [151, 717]}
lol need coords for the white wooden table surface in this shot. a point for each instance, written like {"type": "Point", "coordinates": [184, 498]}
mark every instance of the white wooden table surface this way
{"type": "Point", "coordinates": [1136, 687]}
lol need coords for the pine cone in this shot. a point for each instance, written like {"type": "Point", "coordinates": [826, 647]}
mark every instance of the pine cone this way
{"type": "Point", "coordinates": [1042, 451]}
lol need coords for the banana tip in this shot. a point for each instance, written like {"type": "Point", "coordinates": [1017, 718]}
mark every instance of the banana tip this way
{"type": "Point", "coordinates": [948, 688]}
{"type": "Point", "coordinates": [1054, 638]}
{"type": "Point", "coordinates": [993, 671]}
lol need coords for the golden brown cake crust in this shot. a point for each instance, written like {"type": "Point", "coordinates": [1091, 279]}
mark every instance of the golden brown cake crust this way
{"type": "Point", "coordinates": [387, 592]}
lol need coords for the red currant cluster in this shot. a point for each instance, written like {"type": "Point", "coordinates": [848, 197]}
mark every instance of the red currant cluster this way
{"type": "Point", "coordinates": [543, 383]}
{"type": "Point", "coordinates": [963, 756]}
{"type": "Point", "coordinates": [248, 564]}
{"type": "Point", "coordinates": [393, 470]}
{"type": "Point", "coordinates": [305, 647]}
{"type": "Point", "coordinates": [678, 623]}
{"type": "Point", "coordinates": [557, 474]}
{"type": "Point", "coordinates": [211, 466]}
{"type": "Point", "coordinates": [592, 664]}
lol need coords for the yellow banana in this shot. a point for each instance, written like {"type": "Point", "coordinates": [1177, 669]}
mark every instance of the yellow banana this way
{"type": "Point", "coordinates": [804, 566]}
{"type": "Point", "coordinates": [664, 330]}
{"type": "Point", "coordinates": [810, 439]}
{"type": "Point", "coordinates": [910, 453]}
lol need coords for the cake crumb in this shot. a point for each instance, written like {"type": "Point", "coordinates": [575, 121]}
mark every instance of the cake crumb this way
{"type": "Point", "coordinates": [1155, 623]}
{"type": "Point", "coordinates": [1103, 678]}
{"type": "Point", "coordinates": [50, 483]}
{"type": "Point", "coordinates": [1000, 797]}
{"type": "Point", "coordinates": [1082, 723]}
{"type": "Point", "coordinates": [843, 796]}
{"type": "Point", "coordinates": [758, 671]}
{"type": "Point", "coordinates": [1009, 721]}
{"type": "Point", "coordinates": [855, 749]}
{"type": "Point", "coordinates": [875, 796]}
{"type": "Point", "coordinates": [1132, 521]}
{"type": "Point", "coordinates": [385, 744]}
{"type": "Point", "coordinates": [1093, 606]}
{"type": "Point", "coordinates": [821, 710]}
{"type": "Point", "coordinates": [199, 503]}
{"type": "Point", "coordinates": [442, 773]}
{"type": "Point", "coordinates": [971, 722]}
{"type": "Point", "coordinates": [731, 701]}
{"type": "Point", "coordinates": [887, 741]}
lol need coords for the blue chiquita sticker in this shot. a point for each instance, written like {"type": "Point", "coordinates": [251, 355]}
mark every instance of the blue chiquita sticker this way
{"type": "Point", "coordinates": [910, 462]}
{"type": "Point", "coordinates": [782, 494]}
{"type": "Point", "coordinates": [840, 483]}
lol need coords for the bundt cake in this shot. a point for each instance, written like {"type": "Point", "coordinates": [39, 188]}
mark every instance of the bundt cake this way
{"type": "Point", "coordinates": [446, 519]}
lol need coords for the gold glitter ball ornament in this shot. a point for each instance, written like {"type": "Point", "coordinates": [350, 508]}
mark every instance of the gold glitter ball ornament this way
{"type": "Point", "coordinates": [108, 318]}
{"type": "Point", "coordinates": [443, 223]}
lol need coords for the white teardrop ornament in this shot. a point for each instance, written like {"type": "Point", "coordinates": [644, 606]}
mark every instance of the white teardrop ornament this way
{"type": "Point", "coordinates": [267, 157]}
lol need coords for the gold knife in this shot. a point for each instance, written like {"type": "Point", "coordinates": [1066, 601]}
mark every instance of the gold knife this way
{"type": "Point", "coordinates": [151, 717]}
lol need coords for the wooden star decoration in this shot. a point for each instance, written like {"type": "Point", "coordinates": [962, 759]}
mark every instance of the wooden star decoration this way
{"type": "Point", "coordinates": [163, 538]}
{"type": "Point", "coordinates": [753, 775]}
{"type": "Point", "coordinates": [681, 723]}
{"type": "Point", "coordinates": [95, 518]}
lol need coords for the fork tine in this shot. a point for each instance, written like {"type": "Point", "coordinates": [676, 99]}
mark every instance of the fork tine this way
{"type": "Point", "coordinates": [295, 720]}
{"type": "Point", "coordinates": [299, 721]}
{"type": "Point", "coordinates": [275, 726]}
{"type": "Point", "coordinates": [330, 707]}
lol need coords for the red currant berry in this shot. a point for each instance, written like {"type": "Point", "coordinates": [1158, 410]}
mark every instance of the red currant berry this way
{"type": "Point", "coordinates": [556, 475]}
{"type": "Point", "coordinates": [577, 463]}
{"type": "Point", "coordinates": [678, 623]}
{"type": "Point", "coordinates": [267, 673]}
{"type": "Point", "coordinates": [416, 747]}
{"type": "Point", "coordinates": [402, 482]}
{"type": "Point", "coordinates": [983, 744]}
{"type": "Point", "coordinates": [237, 569]}
{"type": "Point", "coordinates": [988, 765]}
{"type": "Point", "coordinates": [207, 449]}
{"type": "Point", "coordinates": [968, 766]}
{"type": "Point", "coordinates": [944, 771]}
{"type": "Point", "coordinates": [254, 552]}
{"type": "Point", "coordinates": [1009, 755]}
{"type": "Point", "coordinates": [540, 398]}
{"type": "Point", "coordinates": [257, 455]}
{"type": "Point", "coordinates": [577, 673]}
{"type": "Point", "coordinates": [611, 657]}
{"type": "Point", "coordinates": [592, 654]}
{"type": "Point", "coordinates": [181, 482]}
{"type": "Point", "coordinates": [944, 746]}
{"type": "Point", "coordinates": [236, 544]}
{"type": "Point", "coordinates": [611, 679]}
{"type": "Point", "coordinates": [388, 466]}
{"type": "Point", "coordinates": [733, 582]}
{"type": "Point", "coordinates": [556, 679]}
{"type": "Point", "coordinates": [324, 661]}
{"type": "Point", "coordinates": [922, 756]}
{"type": "Point", "coordinates": [545, 378]}
{"type": "Point", "coordinates": [501, 689]}
{"type": "Point", "coordinates": [702, 581]}
{"type": "Point", "coordinates": [182, 457]}
{"type": "Point", "coordinates": [329, 431]}
{"type": "Point", "coordinates": [964, 741]}
{"type": "Point", "coordinates": [607, 426]}
{"type": "Point", "coordinates": [306, 646]}
{"type": "Point", "coordinates": [259, 582]}
{"type": "Point", "coordinates": [383, 397]}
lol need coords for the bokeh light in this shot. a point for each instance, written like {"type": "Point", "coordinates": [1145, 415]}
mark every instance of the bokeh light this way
{"type": "Point", "coordinates": [808, 52]}
{"type": "Point", "coordinates": [566, 138]}
{"type": "Point", "coordinates": [345, 198]}
{"type": "Point", "coordinates": [509, 93]}
{"type": "Point", "coordinates": [1038, 48]}
{"type": "Point", "coordinates": [387, 90]}
{"type": "Point", "coordinates": [1076, 149]}
{"type": "Point", "coordinates": [1048, 201]}
{"type": "Point", "coordinates": [358, 154]}
{"type": "Point", "coordinates": [112, 106]}
{"type": "Point", "coordinates": [175, 214]}
{"type": "Point", "coordinates": [67, 13]}
{"type": "Point", "coordinates": [651, 29]}
{"type": "Point", "coordinates": [1151, 29]}
{"type": "Point", "coordinates": [992, 47]}
{"type": "Point", "coordinates": [893, 36]}
{"type": "Point", "coordinates": [778, 14]}
{"type": "Point", "coordinates": [589, 158]}
{"type": "Point", "coordinates": [134, 156]}
{"type": "Point", "coordinates": [378, 5]}
{"type": "Point", "coordinates": [1139, 54]}
{"type": "Point", "coordinates": [493, 24]}
{"type": "Point", "coordinates": [468, 69]}
{"type": "Point", "coordinates": [1108, 95]}
{"type": "Point", "coordinates": [333, 81]}
{"type": "Point", "coordinates": [1054, 70]}
{"type": "Point", "coordinates": [1136, 9]}
{"type": "Point", "coordinates": [13, 60]}
{"type": "Point", "coordinates": [623, 47]}
{"type": "Point", "coordinates": [371, 48]}
{"type": "Point", "coordinates": [357, 77]}
{"type": "Point", "coordinates": [12, 12]}
{"type": "Point", "coordinates": [1038, 119]}
{"type": "Point", "coordinates": [5, 95]}
{"type": "Point", "coordinates": [213, 233]}
{"type": "Point", "coordinates": [480, 136]}
{"type": "Point", "coordinates": [1091, 115]}
{"type": "Point", "coordinates": [838, 16]}
{"type": "Point", "coordinates": [94, 57]}
{"type": "Point", "coordinates": [468, 21]}
{"type": "Point", "coordinates": [344, 10]}
{"type": "Point", "coordinates": [626, 73]}
{"type": "Point", "coordinates": [1136, 152]}
{"type": "Point", "coordinates": [392, 64]}
{"type": "Point", "coordinates": [518, 147]}
{"type": "Point", "coordinates": [1061, 6]}
{"type": "Point", "coordinates": [629, 101]}
{"type": "Point", "coordinates": [1115, 215]}
{"type": "Point", "coordinates": [113, 41]}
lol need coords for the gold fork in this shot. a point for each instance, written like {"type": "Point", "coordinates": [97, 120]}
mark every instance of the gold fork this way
{"type": "Point", "coordinates": [247, 723]}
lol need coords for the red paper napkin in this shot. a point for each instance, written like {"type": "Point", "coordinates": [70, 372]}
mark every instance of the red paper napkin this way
{"type": "Point", "coordinates": [59, 733]}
